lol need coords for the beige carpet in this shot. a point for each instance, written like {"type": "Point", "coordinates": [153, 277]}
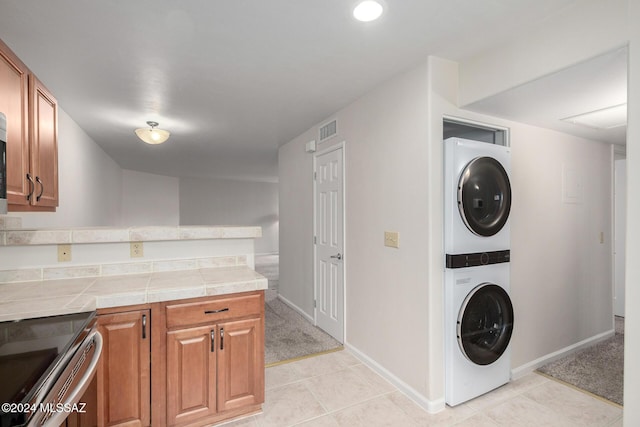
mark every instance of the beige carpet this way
{"type": "Point", "coordinates": [288, 335]}
{"type": "Point", "coordinates": [598, 369]}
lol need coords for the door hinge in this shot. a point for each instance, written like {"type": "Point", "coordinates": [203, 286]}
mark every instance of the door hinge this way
{"type": "Point", "coordinates": [314, 304]}
{"type": "Point", "coordinates": [315, 240]}
{"type": "Point", "coordinates": [315, 176]}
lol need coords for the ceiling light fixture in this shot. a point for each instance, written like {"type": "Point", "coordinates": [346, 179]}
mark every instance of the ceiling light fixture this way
{"type": "Point", "coordinates": [605, 118]}
{"type": "Point", "coordinates": [368, 10]}
{"type": "Point", "coordinates": [153, 135]}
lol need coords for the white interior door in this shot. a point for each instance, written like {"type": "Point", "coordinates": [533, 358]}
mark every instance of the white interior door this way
{"type": "Point", "coordinates": [620, 230]}
{"type": "Point", "coordinates": [329, 242]}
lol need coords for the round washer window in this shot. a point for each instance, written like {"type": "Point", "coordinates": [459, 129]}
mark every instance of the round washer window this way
{"type": "Point", "coordinates": [485, 324]}
{"type": "Point", "coordinates": [484, 196]}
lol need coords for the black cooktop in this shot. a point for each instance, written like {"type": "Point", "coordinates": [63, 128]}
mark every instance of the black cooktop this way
{"type": "Point", "coordinates": [30, 350]}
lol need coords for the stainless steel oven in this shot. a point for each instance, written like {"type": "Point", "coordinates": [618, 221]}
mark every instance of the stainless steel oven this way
{"type": "Point", "coordinates": [3, 164]}
{"type": "Point", "coordinates": [46, 365]}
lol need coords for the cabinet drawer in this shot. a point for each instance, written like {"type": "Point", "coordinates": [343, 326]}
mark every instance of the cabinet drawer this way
{"type": "Point", "coordinates": [213, 310]}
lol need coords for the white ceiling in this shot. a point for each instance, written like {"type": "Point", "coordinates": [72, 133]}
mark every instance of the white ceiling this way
{"type": "Point", "coordinates": [591, 85]}
{"type": "Point", "coordinates": [233, 80]}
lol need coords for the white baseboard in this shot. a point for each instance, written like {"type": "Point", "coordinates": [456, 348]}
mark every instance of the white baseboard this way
{"type": "Point", "coordinates": [523, 370]}
{"type": "Point", "coordinates": [297, 309]}
{"type": "Point", "coordinates": [430, 406]}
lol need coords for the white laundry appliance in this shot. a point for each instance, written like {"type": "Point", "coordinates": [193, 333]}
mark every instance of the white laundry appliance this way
{"type": "Point", "coordinates": [478, 328]}
{"type": "Point", "coordinates": [478, 309]}
{"type": "Point", "coordinates": [477, 196]}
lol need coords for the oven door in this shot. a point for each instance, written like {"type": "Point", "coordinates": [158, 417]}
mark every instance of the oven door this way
{"type": "Point", "coordinates": [63, 398]}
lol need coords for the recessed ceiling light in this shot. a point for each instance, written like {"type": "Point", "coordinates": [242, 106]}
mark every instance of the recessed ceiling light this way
{"type": "Point", "coordinates": [605, 118]}
{"type": "Point", "coordinates": [368, 10]}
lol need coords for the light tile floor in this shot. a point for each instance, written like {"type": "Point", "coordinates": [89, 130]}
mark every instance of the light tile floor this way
{"type": "Point", "coordinates": [335, 389]}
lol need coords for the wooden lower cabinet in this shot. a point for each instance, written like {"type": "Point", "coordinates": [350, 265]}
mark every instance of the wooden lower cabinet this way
{"type": "Point", "coordinates": [216, 370]}
{"type": "Point", "coordinates": [202, 361]}
{"type": "Point", "coordinates": [240, 365]}
{"type": "Point", "coordinates": [88, 418]}
{"type": "Point", "coordinates": [123, 376]}
{"type": "Point", "coordinates": [191, 374]}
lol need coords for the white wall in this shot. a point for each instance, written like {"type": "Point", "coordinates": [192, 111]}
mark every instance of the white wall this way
{"type": "Point", "coordinates": [89, 183]}
{"type": "Point", "coordinates": [295, 201]}
{"type": "Point", "coordinates": [561, 270]}
{"type": "Point", "coordinates": [632, 319]}
{"type": "Point", "coordinates": [386, 289]}
{"type": "Point", "coordinates": [232, 202]}
{"type": "Point", "coordinates": [149, 199]}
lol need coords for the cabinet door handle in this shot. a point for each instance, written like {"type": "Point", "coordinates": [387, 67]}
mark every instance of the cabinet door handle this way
{"type": "Point", "coordinates": [216, 311]}
{"type": "Point", "coordinates": [213, 340]}
{"type": "Point", "coordinates": [144, 326]}
{"type": "Point", "coordinates": [39, 181]}
{"type": "Point", "coordinates": [221, 338]}
{"type": "Point", "coordinates": [33, 187]}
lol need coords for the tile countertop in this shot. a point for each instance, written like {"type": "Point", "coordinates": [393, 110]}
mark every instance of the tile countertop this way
{"type": "Point", "coordinates": [15, 237]}
{"type": "Point", "coordinates": [54, 297]}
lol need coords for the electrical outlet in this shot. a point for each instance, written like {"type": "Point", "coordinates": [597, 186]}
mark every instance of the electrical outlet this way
{"type": "Point", "coordinates": [391, 239]}
{"type": "Point", "coordinates": [137, 250]}
{"type": "Point", "coordinates": [64, 253]}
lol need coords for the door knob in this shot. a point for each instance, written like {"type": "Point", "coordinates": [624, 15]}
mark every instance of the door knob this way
{"type": "Point", "coordinates": [339, 256]}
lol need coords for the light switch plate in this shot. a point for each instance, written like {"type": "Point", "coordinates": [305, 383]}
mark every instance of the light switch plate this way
{"type": "Point", "coordinates": [391, 239]}
{"type": "Point", "coordinates": [64, 253]}
{"type": "Point", "coordinates": [137, 250]}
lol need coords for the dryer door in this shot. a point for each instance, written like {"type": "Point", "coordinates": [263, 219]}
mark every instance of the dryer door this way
{"type": "Point", "coordinates": [484, 196]}
{"type": "Point", "coordinates": [485, 324]}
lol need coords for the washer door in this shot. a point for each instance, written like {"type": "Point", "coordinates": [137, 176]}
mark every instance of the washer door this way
{"type": "Point", "coordinates": [485, 324]}
{"type": "Point", "coordinates": [484, 196]}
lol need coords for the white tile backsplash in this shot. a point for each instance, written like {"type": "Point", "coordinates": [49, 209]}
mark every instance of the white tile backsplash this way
{"type": "Point", "coordinates": [23, 275]}
{"type": "Point", "coordinates": [97, 235]}
{"type": "Point", "coordinates": [70, 272]}
{"type": "Point", "coordinates": [22, 262]}
{"type": "Point", "coordinates": [10, 222]}
{"type": "Point", "coordinates": [37, 237]}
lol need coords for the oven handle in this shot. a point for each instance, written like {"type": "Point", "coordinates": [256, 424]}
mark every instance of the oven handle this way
{"type": "Point", "coordinates": [75, 396]}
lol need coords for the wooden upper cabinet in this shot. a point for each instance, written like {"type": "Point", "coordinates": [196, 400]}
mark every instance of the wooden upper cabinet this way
{"type": "Point", "coordinates": [32, 136]}
{"type": "Point", "coordinates": [14, 96]}
{"type": "Point", "coordinates": [43, 115]}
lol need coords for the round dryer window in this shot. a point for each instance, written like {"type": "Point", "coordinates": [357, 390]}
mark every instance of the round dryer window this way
{"type": "Point", "coordinates": [485, 324]}
{"type": "Point", "coordinates": [484, 196]}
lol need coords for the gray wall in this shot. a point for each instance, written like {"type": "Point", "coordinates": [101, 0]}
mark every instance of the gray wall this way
{"type": "Point", "coordinates": [232, 202]}
{"type": "Point", "coordinates": [149, 199]}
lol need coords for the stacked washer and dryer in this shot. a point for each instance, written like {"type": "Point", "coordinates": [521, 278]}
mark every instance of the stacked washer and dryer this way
{"type": "Point", "coordinates": [478, 309]}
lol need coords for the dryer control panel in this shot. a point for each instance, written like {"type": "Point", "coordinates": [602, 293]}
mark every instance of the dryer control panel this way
{"type": "Point", "coordinates": [477, 259]}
